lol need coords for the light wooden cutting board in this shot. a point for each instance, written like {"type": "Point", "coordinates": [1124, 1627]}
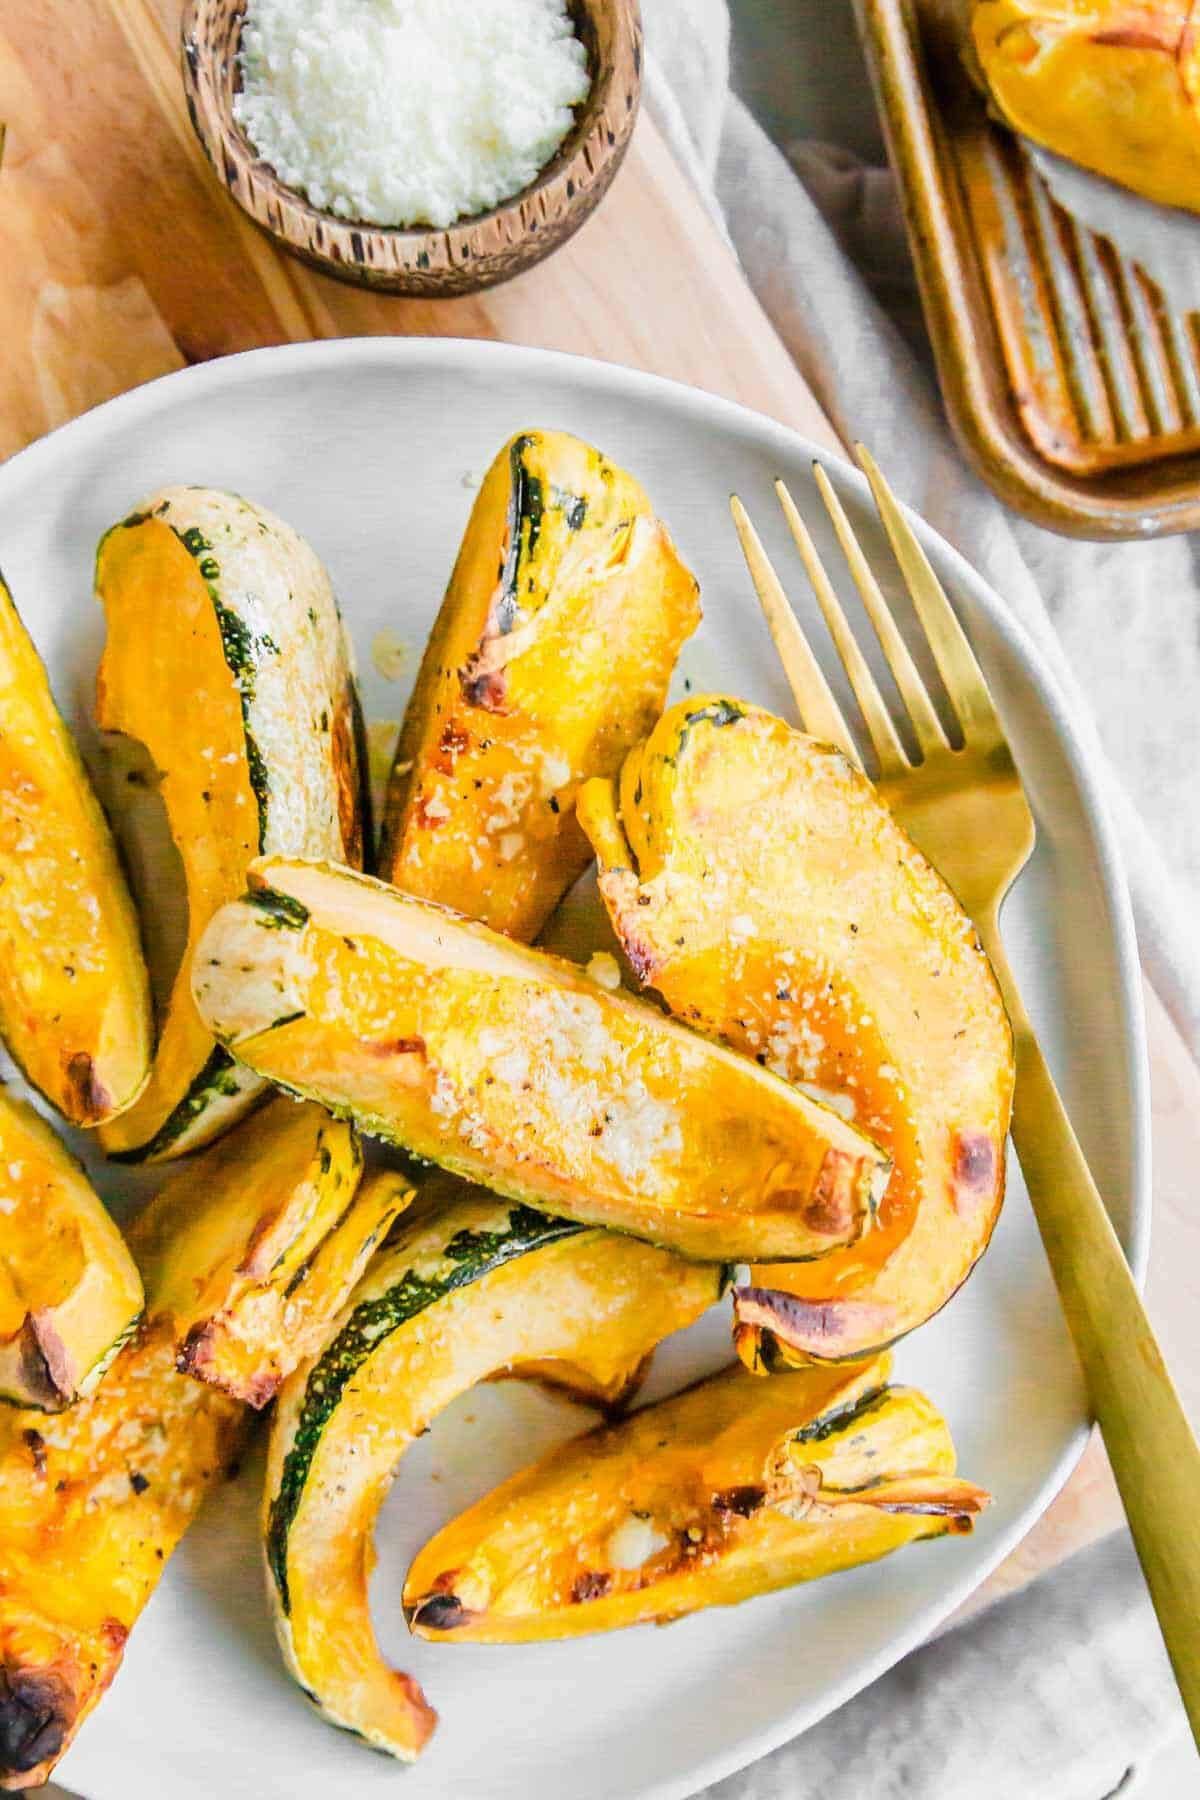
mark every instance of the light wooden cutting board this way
{"type": "Point", "coordinates": [120, 259]}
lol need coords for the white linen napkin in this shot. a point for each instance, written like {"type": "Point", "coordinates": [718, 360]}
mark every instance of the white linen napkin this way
{"type": "Point", "coordinates": [1064, 1691]}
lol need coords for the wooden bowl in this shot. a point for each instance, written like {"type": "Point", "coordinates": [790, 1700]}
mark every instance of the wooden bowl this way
{"type": "Point", "coordinates": [476, 252]}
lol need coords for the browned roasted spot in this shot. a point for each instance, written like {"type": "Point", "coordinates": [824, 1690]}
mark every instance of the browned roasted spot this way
{"type": "Point", "coordinates": [52, 1353]}
{"type": "Point", "coordinates": [593, 1584]}
{"type": "Point", "coordinates": [344, 748]}
{"type": "Point", "coordinates": [38, 1384]}
{"type": "Point", "coordinates": [439, 1612]}
{"type": "Point", "coordinates": [92, 1100]}
{"type": "Point", "coordinates": [937, 1498]}
{"type": "Point", "coordinates": [485, 688]}
{"type": "Point", "coordinates": [252, 1263]}
{"type": "Point", "coordinates": [1143, 37]}
{"type": "Point", "coordinates": [197, 1357]}
{"type": "Point", "coordinates": [744, 1501]}
{"type": "Point", "coordinates": [830, 1206]}
{"type": "Point", "coordinates": [974, 1170]}
{"type": "Point", "coordinates": [398, 1046]}
{"type": "Point", "coordinates": [826, 1329]}
{"type": "Point", "coordinates": [640, 958]}
{"type": "Point", "coordinates": [37, 1713]}
{"type": "Point", "coordinates": [453, 741]}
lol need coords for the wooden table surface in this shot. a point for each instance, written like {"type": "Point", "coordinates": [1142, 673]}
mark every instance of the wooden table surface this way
{"type": "Point", "coordinates": [120, 259]}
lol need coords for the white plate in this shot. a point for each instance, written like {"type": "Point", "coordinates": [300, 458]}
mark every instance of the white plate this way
{"type": "Point", "coordinates": [373, 449]}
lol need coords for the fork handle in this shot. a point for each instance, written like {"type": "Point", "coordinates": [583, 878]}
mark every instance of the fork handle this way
{"type": "Point", "coordinates": [1150, 1443]}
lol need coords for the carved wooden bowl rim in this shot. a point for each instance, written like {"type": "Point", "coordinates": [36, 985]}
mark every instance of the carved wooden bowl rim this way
{"type": "Point", "coordinates": [461, 258]}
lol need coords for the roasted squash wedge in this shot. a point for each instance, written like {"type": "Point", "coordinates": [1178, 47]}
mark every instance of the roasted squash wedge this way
{"type": "Point", "coordinates": [481, 1287]}
{"type": "Point", "coordinates": [226, 658]}
{"type": "Point", "coordinates": [70, 1292]}
{"type": "Point", "coordinates": [74, 993]}
{"type": "Point", "coordinates": [511, 1067]}
{"type": "Point", "coordinates": [251, 1249]}
{"type": "Point", "coordinates": [92, 1502]}
{"type": "Point", "coordinates": [550, 657]}
{"type": "Point", "coordinates": [732, 1488]}
{"type": "Point", "coordinates": [1111, 84]}
{"type": "Point", "coordinates": [758, 882]}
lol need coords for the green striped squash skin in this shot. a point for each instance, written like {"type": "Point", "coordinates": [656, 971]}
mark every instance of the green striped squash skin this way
{"type": "Point", "coordinates": [290, 661]}
{"type": "Point", "coordinates": [467, 1256]}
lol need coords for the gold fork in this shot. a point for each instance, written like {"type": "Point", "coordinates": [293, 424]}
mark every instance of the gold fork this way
{"type": "Point", "coordinates": [966, 809]}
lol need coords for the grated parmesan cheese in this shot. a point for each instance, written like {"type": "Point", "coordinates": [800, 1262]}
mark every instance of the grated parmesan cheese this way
{"type": "Point", "coordinates": [407, 112]}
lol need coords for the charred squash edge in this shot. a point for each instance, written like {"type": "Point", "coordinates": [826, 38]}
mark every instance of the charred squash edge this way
{"type": "Point", "coordinates": [437, 1613]}
{"type": "Point", "coordinates": [38, 1342]}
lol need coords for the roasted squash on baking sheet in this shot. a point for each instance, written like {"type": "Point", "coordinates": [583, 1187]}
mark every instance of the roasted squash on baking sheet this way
{"type": "Point", "coordinates": [92, 1502]}
{"type": "Point", "coordinates": [509, 1066]}
{"type": "Point", "coordinates": [226, 658]}
{"type": "Point", "coordinates": [74, 993]}
{"type": "Point", "coordinates": [760, 885]}
{"type": "Point", "coordinates": [481, 1287]}
{"type": "Point", "coordinates": [252, 1248]}
{"type": "Point", "coordinates": [551, 656]}
{"type": "Point", "coordinates": [734, 1487]}
{"type": "Point", "coordinates": [1111, 84]}
{"type": "Point", "coordinates": [70, 1292]}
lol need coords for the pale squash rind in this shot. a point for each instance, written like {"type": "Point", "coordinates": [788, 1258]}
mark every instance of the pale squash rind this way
{"type": "Point", "coordinates": [210, 598]}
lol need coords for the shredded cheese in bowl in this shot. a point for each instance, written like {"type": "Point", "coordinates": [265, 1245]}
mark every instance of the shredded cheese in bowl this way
{"type": "Point", "coordinates": [408, 112]}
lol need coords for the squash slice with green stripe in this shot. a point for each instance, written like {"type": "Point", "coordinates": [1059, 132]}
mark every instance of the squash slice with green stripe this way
{"type": "Point", "coordinates": [70, 1292]}
{"type": "Point", "coordinates": [550, 658]}
{"type": "Point", "coordinates": [733, 1488]}
{"type": "Point", "coordinates": [74, 993]}
{"type": "Point", "coordinates": [482, 1287]}
{"type": "Point", "coordinates": [226, 659]}
{"type": "Point", "coordinates": [509, 1066]}
{"type": "Point", "coordinates": [93, 1500]}
{"type": "Point", "coordinates": [252, 1248]}
{"type": "Point", "coordinates": [760, 885]}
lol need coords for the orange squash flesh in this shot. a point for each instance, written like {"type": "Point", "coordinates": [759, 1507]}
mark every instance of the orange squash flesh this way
{"type": "Point", "coordinates": [70, 1292]}
{"type": "Point", "coordinates": [226, 658]}
{"type": "Point", "coordinates": [251, 1248]}
{"type": "Point", "coordinates": [757, 882]}
{"type": "Point", "coordinates": [74, 992]}
{"type": "Point", "coordinates": [732, 1488]}
{"type": "Point", "coordinates": [469, 1289]}
{"type": "Point", "coordinates": [1110, 84]}
{"type": "Point", "coordinates": [92, 1502]}
{"type": "Point", "coordinates": [508, 1066]}
{"type": "Point", "coordinates": [551, 656]}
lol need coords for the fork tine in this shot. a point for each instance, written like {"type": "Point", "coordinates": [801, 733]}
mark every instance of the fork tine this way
{"type": "Point", "coordinates": [820, 713]}
{"type": "Point", "coordinates": [925, 722]}
{"type": "Point", "coordinates": [963, 678]}
{"type": "Point", "coordinates": [878, 720]}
